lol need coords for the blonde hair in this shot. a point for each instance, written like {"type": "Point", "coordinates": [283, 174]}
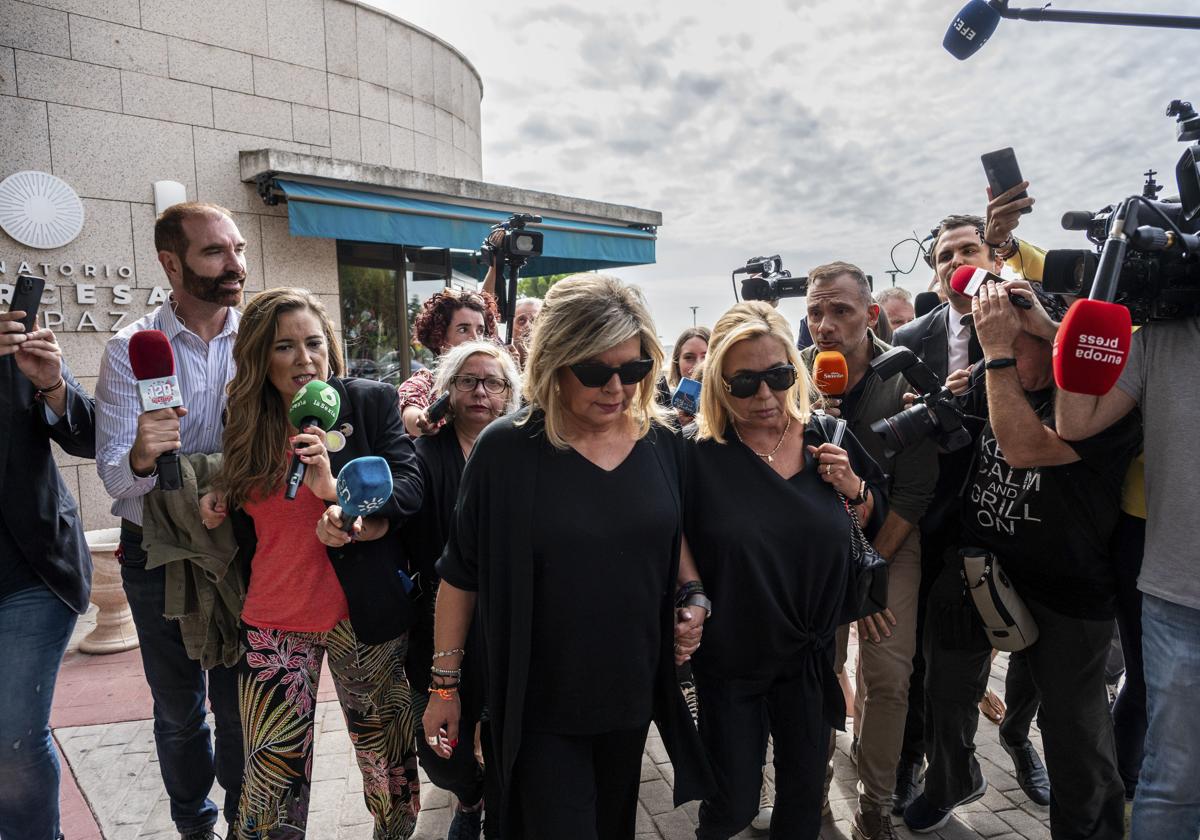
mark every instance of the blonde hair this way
{"type": "Point", "coordinates": [452, 361]}
{"type": "Point", "coordinates": [747, 320]}
{"type": "Point", "coordinates": [256, 425]}
{"type": "Point", "coordinates": [583, 316]}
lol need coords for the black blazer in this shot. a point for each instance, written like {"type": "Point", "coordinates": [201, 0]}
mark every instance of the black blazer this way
{"type": "Point", "coordinates": [37, 507]}
{"type": "Point", "coordinates": [927, 337]}
{"type": "Point", "coordinates": [380, 609]}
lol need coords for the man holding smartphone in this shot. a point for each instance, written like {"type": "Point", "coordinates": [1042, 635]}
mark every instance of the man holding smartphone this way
{"type": "Point", "coordinates": [45, 567]}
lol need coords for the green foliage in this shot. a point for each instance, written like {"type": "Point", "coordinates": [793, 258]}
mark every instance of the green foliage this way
{"type": "Point", "coordinates": [536, 287]}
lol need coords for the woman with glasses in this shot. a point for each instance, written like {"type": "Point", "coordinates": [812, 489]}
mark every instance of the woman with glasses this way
{"type": "Point", "coordinates": [567, 541]}
{"type": "Point", "coordinates": [483, 383]}
{"type": "Point", "coordinates": [448, 318]}
{"type": "Point", "coordinates": [771, 540]}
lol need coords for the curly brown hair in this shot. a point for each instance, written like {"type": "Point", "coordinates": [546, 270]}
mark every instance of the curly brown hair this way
{"type": "Point", "coordinates": [437, 312]}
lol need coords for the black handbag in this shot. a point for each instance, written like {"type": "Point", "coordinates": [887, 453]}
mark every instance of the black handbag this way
{"type": "Point", "coordinates": [867, 592]}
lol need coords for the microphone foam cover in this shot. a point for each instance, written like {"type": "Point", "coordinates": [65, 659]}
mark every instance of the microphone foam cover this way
{"type": "Point", "coordinates": [830, 372]}
{"type": "Point", "coordinates": [364, 485]}
{"type": "Point", "coordinates": [925, 302]}
{"type": "Point", "coordinates": [1091, 347]}
{"type": "Point", "coordinates": [150, 355]}
{"type": "Point", "coordinates": [316, 399]}
{"type": "Point", "coordinates": [971, 29]}
{"type": "Point", "coordinates": [967, 279]}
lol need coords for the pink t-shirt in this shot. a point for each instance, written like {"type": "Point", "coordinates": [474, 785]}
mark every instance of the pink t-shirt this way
{"type": "Point", "coordinates": [292, 583]}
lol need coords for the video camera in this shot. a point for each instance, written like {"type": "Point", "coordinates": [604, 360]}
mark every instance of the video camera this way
{"type": "Point", "coordinates": [935, 412]}
{"type": "Point", "coordinates": [1157, 267]}
{"type": "Point", "coordinates": [768, 281]}
{"type": "Point", "coordinates": [518, 243]}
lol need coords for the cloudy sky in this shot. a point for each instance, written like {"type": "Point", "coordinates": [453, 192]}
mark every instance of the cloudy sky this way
{"type": "Point", "coordinates": [817, 129]}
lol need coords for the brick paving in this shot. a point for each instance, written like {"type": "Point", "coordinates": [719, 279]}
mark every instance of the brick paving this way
{"type": "Point", "coordinates": [112, 789]}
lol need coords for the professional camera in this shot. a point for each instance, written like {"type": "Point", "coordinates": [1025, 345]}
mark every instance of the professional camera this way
{"type": "Point", "coordinates": [768, 281]}
{"type": "Point", "coordinates": [1147, 249]}
{"type": "Point", "coordinates": [518, 244]}
{"type": "Point", "coordinates": [935, 412]}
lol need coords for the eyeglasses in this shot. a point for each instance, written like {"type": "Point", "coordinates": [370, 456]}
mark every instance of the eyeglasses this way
{"type": "Point", "coordinates": [778, 378]}
{"type": "Point", "coordinates": [492, 384]}
{"type": "Point", "coordinates": [596, 375]}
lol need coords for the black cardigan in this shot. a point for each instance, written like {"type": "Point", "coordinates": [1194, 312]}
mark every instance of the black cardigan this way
{"type": "Point", "coordinates": [380, 609]}
{"type": "Point", "coordinates": [37, 507]}
{"type": "Point", "coordinates": [492, 529]}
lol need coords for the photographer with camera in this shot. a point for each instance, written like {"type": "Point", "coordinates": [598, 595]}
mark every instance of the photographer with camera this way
{"type": "Point", "coordinates": [944, 340]}
{"type": "Point", "coordinates": [1166, 804]}
{"type": "Point", "coordinates": [1042, 509]}
{"type": "Point", "coordinates": [841, 315]}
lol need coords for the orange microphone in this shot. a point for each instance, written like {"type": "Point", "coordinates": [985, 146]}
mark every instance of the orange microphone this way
{"type": "Point", "coordinates": [830, 373]}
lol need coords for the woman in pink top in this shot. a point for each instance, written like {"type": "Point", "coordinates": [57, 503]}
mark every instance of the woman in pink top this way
{"type": "Point", "coordinates": [303, 600]}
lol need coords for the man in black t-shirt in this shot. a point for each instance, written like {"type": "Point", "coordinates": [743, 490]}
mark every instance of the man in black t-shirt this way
{"type": "Point", "coordinates": [1045, 508]}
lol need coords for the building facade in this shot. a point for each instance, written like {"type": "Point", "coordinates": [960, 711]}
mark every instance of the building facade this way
{"type": "Point", "coordinates": [118, 108]}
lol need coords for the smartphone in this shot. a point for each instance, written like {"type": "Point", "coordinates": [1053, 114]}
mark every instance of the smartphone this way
{"type": "Point", "coordinates": [438, 410]}
{"type": "Point", "coordinates": [1003, 173]}
{"type": "Point", "coordinates": [27, 295]}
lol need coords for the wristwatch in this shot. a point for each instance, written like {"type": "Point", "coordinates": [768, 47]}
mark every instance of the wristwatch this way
{"type": "Point", "coordinates": [698, 599]}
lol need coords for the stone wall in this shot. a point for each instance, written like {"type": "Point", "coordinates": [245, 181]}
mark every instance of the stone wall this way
{"type": "Point", "coordinates": [113, 95]}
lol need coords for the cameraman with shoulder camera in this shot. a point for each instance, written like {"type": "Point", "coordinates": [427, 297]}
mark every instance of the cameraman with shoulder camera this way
{"type": "Point", "coordinates": [1166, 803]}
{"type": "Point", "coordinates": [1044, 510]}
{"type": "Point", "coordinates": [841, 315]}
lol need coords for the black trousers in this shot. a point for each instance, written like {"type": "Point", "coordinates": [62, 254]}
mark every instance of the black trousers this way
{"type": "Point", "coordinates": [1129, 712]}
{"type": "Point", "coordinates": [1021, 699]}
{"type": "Point", "coordinates": [582, 787]}
{"type": "Point", "coordinates": [735, 718]}
{"type": "Point", "coordinates": [912, 750]}
{"type": "Point", "coordinates": [1067, 666]}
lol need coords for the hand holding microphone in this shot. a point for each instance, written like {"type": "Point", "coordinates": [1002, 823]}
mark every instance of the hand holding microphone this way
{"type": "Point", "coordinates": [315, 405]}
{"type": "Point", "coordinates": [158, 440]}
{"type": "Point", "coordinates": [830, 374]}
{"type": "Point", "coordinates": [364, 486]}
{"type": "Point", "coordinates": [997, 323]}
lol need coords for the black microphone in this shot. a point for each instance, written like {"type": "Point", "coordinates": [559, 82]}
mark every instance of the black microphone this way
{"type": "Point", "coordinates": [971, 29]}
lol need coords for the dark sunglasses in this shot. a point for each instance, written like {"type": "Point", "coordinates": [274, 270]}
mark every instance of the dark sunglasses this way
{"type": "Point", "coordinates": [778, 378]}
{"type": "Point", "coordinates": [596, 375]}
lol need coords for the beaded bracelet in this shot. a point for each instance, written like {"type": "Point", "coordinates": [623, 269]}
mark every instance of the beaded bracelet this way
{"type": "Point", "coordinates": [442, 654]}
{"type": "Point", "coordinates": [439, 672]}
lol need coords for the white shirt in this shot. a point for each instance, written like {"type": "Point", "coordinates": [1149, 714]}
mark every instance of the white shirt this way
{"type": "Point", "coordinates": [958, 339]}
{"type": "Point", "coordinates": [203, 369]}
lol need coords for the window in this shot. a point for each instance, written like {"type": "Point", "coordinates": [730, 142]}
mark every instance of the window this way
{"type": "Point", "coordinates": [382, 287]}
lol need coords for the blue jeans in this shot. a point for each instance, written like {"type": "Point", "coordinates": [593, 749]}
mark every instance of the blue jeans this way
{"type": "Point", "coordinates": [186, 757]}
{"type": "Point", "coordinates": [1167, 803]}
{"type": "Point", "coordinates": [35, 627]}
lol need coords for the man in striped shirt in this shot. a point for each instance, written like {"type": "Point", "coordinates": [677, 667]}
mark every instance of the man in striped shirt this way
{"type": "Point", "coordinates": [203, 254]}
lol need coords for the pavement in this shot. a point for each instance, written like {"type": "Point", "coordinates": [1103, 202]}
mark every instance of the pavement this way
{"type": "Point", "coordinates": [112, 789]}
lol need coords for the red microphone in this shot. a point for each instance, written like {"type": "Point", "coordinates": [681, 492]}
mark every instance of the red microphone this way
{"type": "Point", "coordinates": [967, 280]}
{"type": "Point", "coordinates": [1091, 347]}
{"type": "Point", "coordinates": [830, 373]}
{"type": "Point", "coordinates": [1092, 344]}
{"type": "Point", "coordinates": [153, 364]}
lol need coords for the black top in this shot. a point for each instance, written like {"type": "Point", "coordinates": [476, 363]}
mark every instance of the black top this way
{"type": "Point", "coordinates": [773, 554]}
{"type": "Point", "coordinates": [490, 550]}
{"type": "Point", "coordinates": [16, 574]}
{"type": "Point", "coordinates": [441, 461]}
{"type": "Point", "coordinates": [38, 510]}
{"type": "Point", "coordinates": [1050, 526]}
{"type": "Point", "coordinates": [600, 572]}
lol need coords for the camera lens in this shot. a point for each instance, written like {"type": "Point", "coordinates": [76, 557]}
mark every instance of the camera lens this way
{"type": "Point", "coordinates": [906, 428]}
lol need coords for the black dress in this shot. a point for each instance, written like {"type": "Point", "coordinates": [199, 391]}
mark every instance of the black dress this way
{"type": "Point", "coordinates": [493, 543]}
{"type": "Point", "coordinates": [774, 557]}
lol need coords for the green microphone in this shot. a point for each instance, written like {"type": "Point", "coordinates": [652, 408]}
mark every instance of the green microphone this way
{"type": "Point", "coordinates": [316, 404]}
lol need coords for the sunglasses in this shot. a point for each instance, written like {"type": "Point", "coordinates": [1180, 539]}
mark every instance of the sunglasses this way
{"type": "Point", "coordinates": [596, 375]}
{"type": "Point", "coordinates": [778, 378]}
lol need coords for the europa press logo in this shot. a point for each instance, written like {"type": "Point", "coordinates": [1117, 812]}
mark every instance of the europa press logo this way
{"type": "Point", "coordinates": [39, 210]}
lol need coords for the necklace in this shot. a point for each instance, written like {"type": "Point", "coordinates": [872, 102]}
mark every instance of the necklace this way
{"type": "Point", "coordinates": [770, 456]}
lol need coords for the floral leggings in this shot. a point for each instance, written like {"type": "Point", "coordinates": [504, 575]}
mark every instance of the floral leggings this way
{"type": "Point", "coordinates": [277, 688]}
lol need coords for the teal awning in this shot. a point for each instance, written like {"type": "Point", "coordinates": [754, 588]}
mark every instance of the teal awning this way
{"type": "Point", "coordinates": [337, 213]}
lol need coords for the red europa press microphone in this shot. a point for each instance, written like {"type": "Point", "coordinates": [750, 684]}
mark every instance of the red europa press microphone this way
{"type": "Point", "coordinates": [830, 373]}
{"type": "Point", "coordinates": [153, 364]}
{"type": "Point", "coordinates": [1092, 344]}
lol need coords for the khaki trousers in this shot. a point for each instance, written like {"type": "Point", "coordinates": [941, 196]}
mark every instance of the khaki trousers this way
{"type": "Point", "coordinates": [881, 694]}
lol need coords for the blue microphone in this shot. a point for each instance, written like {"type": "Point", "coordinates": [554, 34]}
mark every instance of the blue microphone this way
{"type": "Point", "coordinates": [363, 486]}
{"type": "Point", "coordinates": [971, 29]}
